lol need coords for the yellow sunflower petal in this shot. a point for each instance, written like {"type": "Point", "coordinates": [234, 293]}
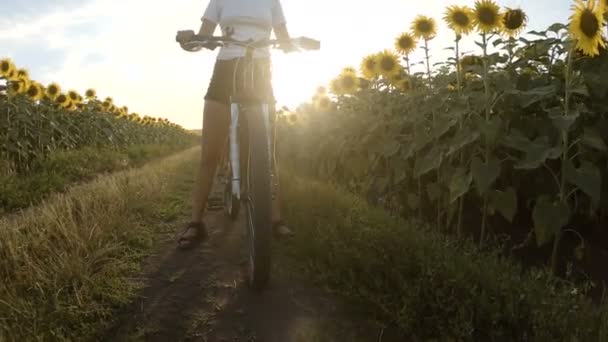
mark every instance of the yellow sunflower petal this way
{"type": "Point", "coordinates": [388, 63]}
{"type": "Point", "coordinates": [514, 21]}
{"type": "Point", "coordinates": [6, 67]}
{"type": "Point", "coordinates": [459, 19]}
{"type": "Point", "coordinates": [586, 25]}
{"type": "Point", "coordinates": [424, 27]}
{"type": "Point", "coordinates": [405, 43]}
{"type": "Point", "coordinates": [369, 67]}
{"type": "Point", "coordinates": [486, 16]}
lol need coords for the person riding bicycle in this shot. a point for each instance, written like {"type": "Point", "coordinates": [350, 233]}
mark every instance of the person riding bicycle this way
{"type": "Point", "coordinates": [244, 20]}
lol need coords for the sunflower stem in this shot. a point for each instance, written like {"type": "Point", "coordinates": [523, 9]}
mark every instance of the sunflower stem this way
{"type": "Point", "coordinates": [428, 60]}
{"type": "Point", "coordinates": [486, 86]}
{"type": "Point", "coordinates": [458, 71]}
{"type": "Point", "coordinates": [565, 147]}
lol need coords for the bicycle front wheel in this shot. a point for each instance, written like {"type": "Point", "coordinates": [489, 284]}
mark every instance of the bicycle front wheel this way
{"type": "Point", "coordinates": [259, 201]}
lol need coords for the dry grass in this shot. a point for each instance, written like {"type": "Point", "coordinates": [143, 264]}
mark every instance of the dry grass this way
{"type": "Point", "coordinates": [65, 264]}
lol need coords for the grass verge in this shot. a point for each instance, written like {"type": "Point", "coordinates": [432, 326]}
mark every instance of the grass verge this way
{"type": "Point", "coordinates": [66, 264]}
{"type": "Point", "coordinates": [61, 169]}
{"type": "Point", "coordinates": [423, 283]}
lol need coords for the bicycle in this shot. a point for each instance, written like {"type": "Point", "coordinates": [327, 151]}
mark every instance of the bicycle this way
{"type": "Point", "coordinates": [257, 197]}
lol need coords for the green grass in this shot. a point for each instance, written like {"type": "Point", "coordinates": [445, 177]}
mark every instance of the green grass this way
{"type": "Point", "coordinates": [61, 169]}
{"type": "Point", "coordinates": [67, 264]}
{"type": "Point", "coordinates": [423, 283]}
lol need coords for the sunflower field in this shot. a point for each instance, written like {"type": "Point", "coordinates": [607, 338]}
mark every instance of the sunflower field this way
{"type": "Point", "coordinates": [40, 124]}
{"type": "Point", "coordinates": [509, 140]}
{"type": "Point", "coordinates": [36, 120]}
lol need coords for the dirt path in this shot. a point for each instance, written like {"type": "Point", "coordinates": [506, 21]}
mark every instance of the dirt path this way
{"type": "Point", "coordinates": [201, 295]}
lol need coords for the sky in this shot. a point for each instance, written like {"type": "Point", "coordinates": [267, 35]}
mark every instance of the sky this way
{"type": "Point", "coordinates": [126, 48]}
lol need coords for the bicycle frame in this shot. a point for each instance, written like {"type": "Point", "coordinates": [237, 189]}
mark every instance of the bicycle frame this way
{"type": "Point", "coordinates": [237, 103]}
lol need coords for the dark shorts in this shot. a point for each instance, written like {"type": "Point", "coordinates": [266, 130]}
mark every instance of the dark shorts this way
{"type": "Point", "coordinates": [221, 86]}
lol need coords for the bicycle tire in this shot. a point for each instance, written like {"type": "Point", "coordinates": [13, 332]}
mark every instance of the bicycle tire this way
{"type": "Point", "coordinates": [232, 204]}
{"type": "Point", "coordinates": [259, 201]}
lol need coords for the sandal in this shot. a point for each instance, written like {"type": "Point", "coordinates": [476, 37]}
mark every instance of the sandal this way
{"type": "Point", "coordinates": [281, 230]}
{"type": "Point", "coordinates": [194, 233]}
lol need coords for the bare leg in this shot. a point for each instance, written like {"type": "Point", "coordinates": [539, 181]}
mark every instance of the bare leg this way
{"type": "Point", "coordinates": [280, 227]}
{"type": "Point", "coordinates": [216, 121]}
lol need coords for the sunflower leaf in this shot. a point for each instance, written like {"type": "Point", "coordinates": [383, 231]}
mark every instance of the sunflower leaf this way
{"type": "Point", "coordinates": [461, 139]}
{"type": "Point", "coordinates": [557, 27]}
{"type": "Point", "coordinates": [592, 138]}
{"type": "Point", "coordinates": [587, 178]}
{"type": "Point", "coordinates": [485, 174]}
{"type": "Point", "coordinates": [563, 122]}
{"type": "Point", "coordinates": [433, 191]}
{"type": "Point", "coordinates": [460, 183]}
{"type": "Point", "coordinates": [549, 218]}
{"type": "Point", "coordinates": [505, 202]}
{"type": "Point", "coordinates": [430, 161]}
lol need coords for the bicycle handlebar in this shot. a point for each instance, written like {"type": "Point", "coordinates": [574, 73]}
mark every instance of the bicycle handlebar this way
{"type": "Point", "coordinates": [198, 42]}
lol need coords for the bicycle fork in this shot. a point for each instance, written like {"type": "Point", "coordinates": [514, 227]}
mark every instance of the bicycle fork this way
{"type": "Point", "coordinates": [235, 152]}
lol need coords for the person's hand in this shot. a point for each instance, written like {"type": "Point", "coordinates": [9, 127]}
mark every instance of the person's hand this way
{"type": "Point", "coordinates": [184, 36]}
{"type": "Point", "coordinates": [288, 47]}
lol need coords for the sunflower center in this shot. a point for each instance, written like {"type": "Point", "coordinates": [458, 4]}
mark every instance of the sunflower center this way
{"type": "Point", "coordinates": [4, 66]}
{"type": "Point", "coordinates": [486, 16]}
{"type": "Point", "coordinates": [514, 20]}
{"type": "Point", "coordinates": [348, 82]}
{"type": "Point", "coordinates": [52, 90]}
{"type": "Point", "coordinates": [424, 26]}
{"type": "Point", "coordinates": [62, 98]}
{"type": "Point", "coordinates": [370, 64]}
{"type": "Point", "coordinates": [461, 19]}
{"type": "Point", "coordinates": [405, 42]}
{"type": "Point", "coordinates": [589, 23]}
{"type": "Point", "coordinates": [387, 64]}
{"type": "Point", "coordinates": [33, 91]}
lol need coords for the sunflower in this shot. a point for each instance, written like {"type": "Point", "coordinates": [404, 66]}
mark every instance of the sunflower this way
{"type": "Point", "coordinates": [514, 21]}
{"type": "Point", "coordinates": [459, 19]}
{"type": "Point", "coordinates": [6, 67]}
{"type": "Point", "coordinates": [73, 95]}
{"type": "Point", "coordinates": [486, 16]}
{"type": "Point", "coordinates": [424, 27]}
{"type": "Point", "coordinates": [323, 104]}
{"type": "Point", "coordinates": [90, 94]}
{"type": "Point", "coordinates": [586, 26]}
{"type": "Point", "coordinates": [35, 91]}
{"type": "Point", "coordinates": [109, 100]}
{"type": "Point", "coordinates": [405, 43]}
{"type": "Point", "coordinates": [53, 90]}
{"type": "Point", "coordinates": [470, 61]}
{"type": "Point", "coordinates": [349, 70]}
{"type": "Point", "coordinates": [125, 109]}
{"type": "Point", "coordinates": [72, 106]}
{"type": "Point", "coordinates": [62, 100]}
{"type": "Point", "coordinates": [335, 87]}
{"type": "Point", "coordinates": [23, 74]}
{"type": "Point", "coordinates": [388, 64]}
{"type": "Point", "coordinates": [369, 67]}
{"type": "Point", "coordinates": [400, 80]}
{"type": "Point", "coordinates": [349, 82]}
{"type": "Point", "coordinates": [12, 75]}
{"type": "Point", "coordinates": [18, 87]}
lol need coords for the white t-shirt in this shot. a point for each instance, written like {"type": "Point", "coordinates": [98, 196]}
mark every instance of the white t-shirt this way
{"type": "Point", "coordinates": [250, 19]}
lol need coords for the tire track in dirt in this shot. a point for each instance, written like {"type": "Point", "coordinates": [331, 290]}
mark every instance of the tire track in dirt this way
{"type": "Point", "coordinates": [202, 295]}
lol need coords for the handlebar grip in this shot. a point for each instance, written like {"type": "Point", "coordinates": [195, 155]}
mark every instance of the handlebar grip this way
{"type": "Point", "coordinates": [309, 44]}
